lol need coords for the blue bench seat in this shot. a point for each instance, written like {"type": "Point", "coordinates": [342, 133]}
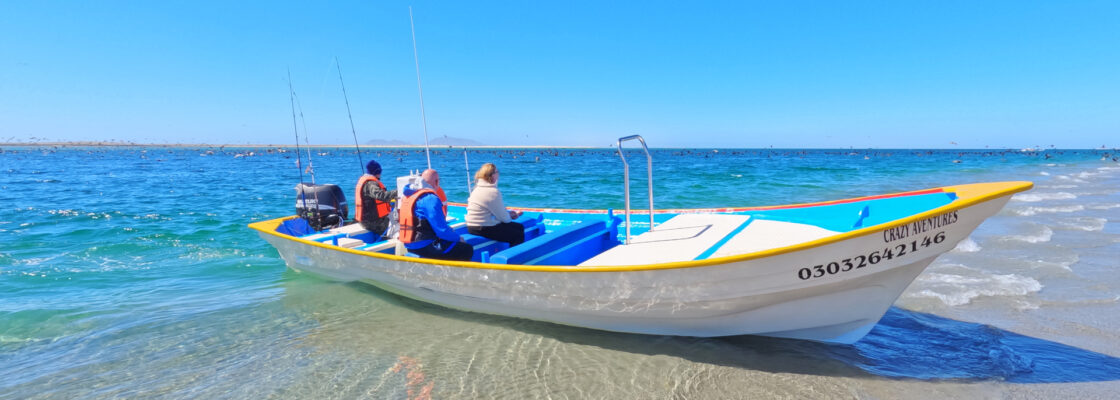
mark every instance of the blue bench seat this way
{"type": "Point", "coordinates": [570, 245]}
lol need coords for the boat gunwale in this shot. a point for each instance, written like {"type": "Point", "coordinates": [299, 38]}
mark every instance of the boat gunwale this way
{"type": "Point", "coordinates": [967, 196]}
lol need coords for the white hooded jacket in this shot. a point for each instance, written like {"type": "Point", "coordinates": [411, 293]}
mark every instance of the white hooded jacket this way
{"type": "Point", "coordinates": [485, 206]}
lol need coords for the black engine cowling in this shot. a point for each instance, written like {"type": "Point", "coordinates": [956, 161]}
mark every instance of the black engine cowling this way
{"type": "Point", "coordinates": [323, 206]}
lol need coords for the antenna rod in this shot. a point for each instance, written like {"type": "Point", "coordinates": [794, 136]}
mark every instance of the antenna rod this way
{"type": "Point", "coordinates": [423, 114]}
{"type": "Point", "coordinates": [361, 164]}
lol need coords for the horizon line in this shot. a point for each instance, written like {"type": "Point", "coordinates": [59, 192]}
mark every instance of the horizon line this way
{"type": "Point", "coordinates": [420, 146]}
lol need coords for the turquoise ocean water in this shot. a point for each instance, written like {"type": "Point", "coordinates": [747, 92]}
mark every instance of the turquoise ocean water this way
{"type": "Point", "coordinates": [130, 272]}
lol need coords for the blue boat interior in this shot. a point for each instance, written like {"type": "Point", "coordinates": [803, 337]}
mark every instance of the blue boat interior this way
{"type": "Point", "coordinates": [559, 238]}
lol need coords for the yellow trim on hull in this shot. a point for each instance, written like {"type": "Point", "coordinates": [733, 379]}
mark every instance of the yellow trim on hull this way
{"type": "Point", "coordinates": [967, 195]}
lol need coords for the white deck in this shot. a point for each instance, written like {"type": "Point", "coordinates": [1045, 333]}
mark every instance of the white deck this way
{"type": "Point", "coordinates": [352, 229]}
{"type": "Point", "coordinates": [688, 237]}
{"type": "Point", "coordinates": [356, 229]}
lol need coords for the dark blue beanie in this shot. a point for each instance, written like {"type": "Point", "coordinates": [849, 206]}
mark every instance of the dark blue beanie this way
{"type": "Point", "coordinates": [373, 168]}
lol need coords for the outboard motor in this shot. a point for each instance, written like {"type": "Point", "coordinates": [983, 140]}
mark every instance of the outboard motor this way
{"type": "Point", "coordinates": [323, 206]}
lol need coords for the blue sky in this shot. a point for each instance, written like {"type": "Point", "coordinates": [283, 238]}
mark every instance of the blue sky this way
{"type": "Point", "coordinates": [882, 74]}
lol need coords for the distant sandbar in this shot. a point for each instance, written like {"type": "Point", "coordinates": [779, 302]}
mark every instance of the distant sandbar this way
{"type": "Point", "coordinates": [204, 145]}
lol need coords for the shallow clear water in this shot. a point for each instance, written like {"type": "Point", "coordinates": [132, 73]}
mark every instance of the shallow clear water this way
{"type": "Point", "coordinates": [130, 272]}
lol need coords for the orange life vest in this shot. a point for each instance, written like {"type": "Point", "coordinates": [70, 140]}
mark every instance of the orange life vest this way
{"type": "Point", "coordinates": [383, 207]}
{"type": "Point", "coordinates": [442, 198]}
{"type": "Point", "coordinates": [407, 211]}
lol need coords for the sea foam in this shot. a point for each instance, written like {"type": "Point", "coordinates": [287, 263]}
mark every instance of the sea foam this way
{"type": "Point", "coordinates": [967, 246]}
{"type": "Point", "coordinates": [957, 290]}
{"type": "Point", "coordinates": [1029, 211]}
{"type": "Point", "coordinates": [1041, 237]}
{"type": "Point", "coordinates": [1072, 179]}
{"type": "Point", "coordinates": [1062, 263]}
{"type": "Point", "coordinates": [1036, 197]}
{"type": "Point", "coordinates": [1087, 224]}
{"type": "Point", "coordinates": [1091, 301]}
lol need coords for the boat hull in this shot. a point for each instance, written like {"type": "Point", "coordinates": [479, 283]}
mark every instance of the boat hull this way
{"type": "Point", "coordinates": [832, 290]}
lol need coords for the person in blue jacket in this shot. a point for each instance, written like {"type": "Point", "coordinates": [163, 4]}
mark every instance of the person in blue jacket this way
{"type": "Point", "coordinates": [423, 228]}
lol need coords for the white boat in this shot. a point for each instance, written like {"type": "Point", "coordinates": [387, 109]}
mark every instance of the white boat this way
{"type": "Point", "coordinates": [823, 271]}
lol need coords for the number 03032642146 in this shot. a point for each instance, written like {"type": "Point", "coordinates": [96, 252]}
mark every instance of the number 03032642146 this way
{"type": "Point", "coordinates": [864, 260]}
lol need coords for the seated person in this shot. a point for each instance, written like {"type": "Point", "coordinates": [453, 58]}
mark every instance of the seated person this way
{"type": "Point", "coordinates": [487, 215]}
{"type": "Point", "coordinates": [424, 229]}
{"type": "Point", "coordinates": [373, 201]}
{"type": "Point", "coordinates": [431, 177]}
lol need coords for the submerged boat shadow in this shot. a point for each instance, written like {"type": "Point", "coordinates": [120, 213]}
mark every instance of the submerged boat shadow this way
{"type": "Point", "coordinates": [915, 345]}
{"type": "Point", "coordinates": [904, 345]}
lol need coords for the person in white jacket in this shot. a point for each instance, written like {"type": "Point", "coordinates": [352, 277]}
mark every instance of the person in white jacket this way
{"type": "Point", "coordinates": [487, 215]}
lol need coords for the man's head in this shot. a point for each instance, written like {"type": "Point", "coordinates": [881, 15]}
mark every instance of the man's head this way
{"type": "Point", "coordinates": [431, 177]}
{"type": "Point", "coordinates": [373, 168]}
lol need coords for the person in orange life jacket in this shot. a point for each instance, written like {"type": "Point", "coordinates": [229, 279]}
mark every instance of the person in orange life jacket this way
{"type": "Point", "coordinates": [431, 177]}
{"type": "Point", "coordinates": [424, 229]}
{"type": "Point", "coordinates": [373, 200]}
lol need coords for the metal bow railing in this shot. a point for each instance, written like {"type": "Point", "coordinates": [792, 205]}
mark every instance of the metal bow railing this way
{"type": "Point", "coordinates": [626, 180]}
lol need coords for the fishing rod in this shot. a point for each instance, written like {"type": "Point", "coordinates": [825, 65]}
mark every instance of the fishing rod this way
{"type": "Point", "coordinates": [299, 161]}
{"type": "Point", "coordinates": [467, 164]}
{"type": "Point", "coordinates": [295, 128]}
{"type": "Point", "coordinates": [310, 164]}
{"type": "Point", "coordinates": [420, 86]}
{"type": "Point", "coordinates": [306, 140]}
{"type": "Point", "coordinates": [361, 164]}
